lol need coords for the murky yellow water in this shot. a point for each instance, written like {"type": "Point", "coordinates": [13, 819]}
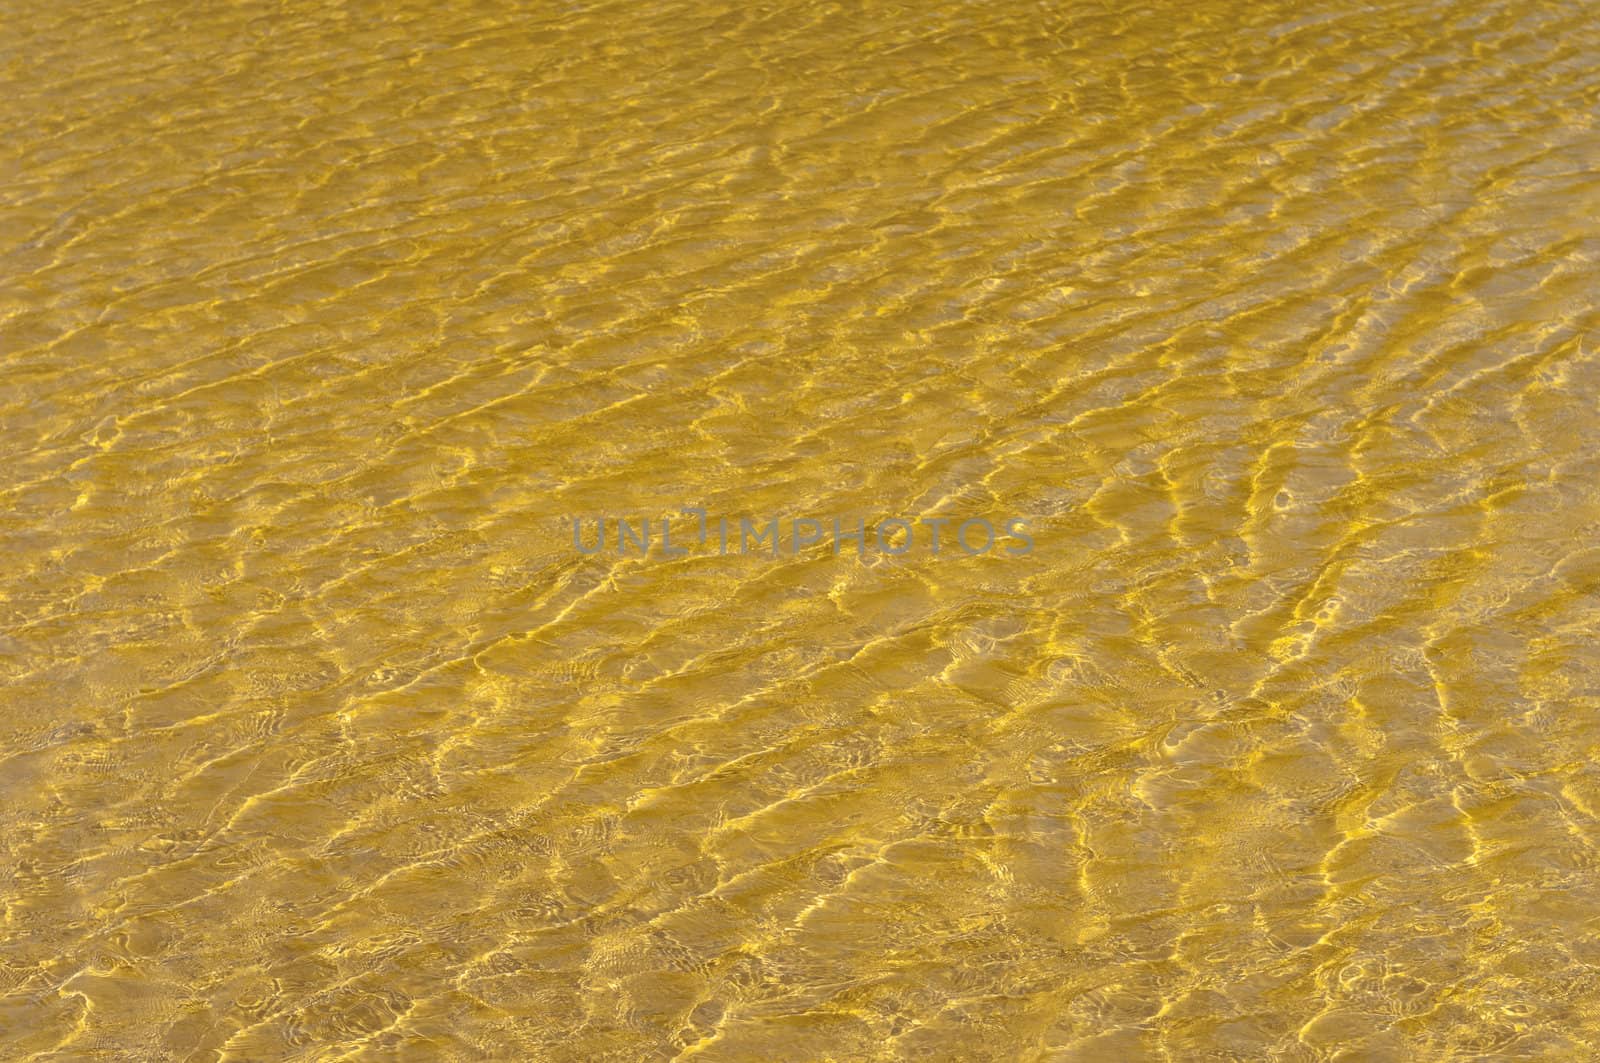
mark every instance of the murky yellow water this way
{"type": "Point", "coordinates": [319, 740]}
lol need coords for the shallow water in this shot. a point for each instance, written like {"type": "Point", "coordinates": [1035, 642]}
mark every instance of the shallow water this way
{"type": "Point", "coordinates": [319, 324]}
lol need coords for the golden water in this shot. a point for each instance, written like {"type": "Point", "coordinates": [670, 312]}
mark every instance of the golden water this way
{"type": "Point", "coordinates": [318, 739]}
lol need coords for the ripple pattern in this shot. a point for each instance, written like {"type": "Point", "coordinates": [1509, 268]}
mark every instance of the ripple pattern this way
{"type": "Point", "coordinates": [319, 322]}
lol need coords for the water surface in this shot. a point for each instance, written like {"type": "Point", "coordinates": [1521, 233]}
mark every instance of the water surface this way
{"type": "Point", "coordinates": [318, 323]}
